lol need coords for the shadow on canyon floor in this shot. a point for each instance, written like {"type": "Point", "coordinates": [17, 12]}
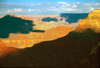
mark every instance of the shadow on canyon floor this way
{"type": "Point", "coordinates": [74, 17]}
{"type": "Point", "coordinates": [48, 19]}
{"type": "Point", "coordinates": [10, 24]}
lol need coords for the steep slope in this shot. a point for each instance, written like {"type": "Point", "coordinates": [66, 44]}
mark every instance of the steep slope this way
{"type": "Point", "coordinates": [63, 52]}
{"type": "Point", "coordinates": [92, 21]}
{"type": "Point", "coordinates": [12, 15]}
{"type": "Point", "coordinates": [4, 49]}
{"type": "Point", "coordinates": [58, 32]}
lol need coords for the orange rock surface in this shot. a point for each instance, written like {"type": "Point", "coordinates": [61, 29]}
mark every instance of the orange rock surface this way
{"type": "Point", "coordinates": [58, 32]}
{"type": "Point", "coordinates": [21, 36]}
{"type": "Point", "coordinates": [28, 40]}
{"type": "Point", "coordinates": [11, 14]}
{"type": "Point", "coordinates": [92, 21]}
{"type": "Point", "coordinates": [23, 41]}
{"type": "Point", "coordinates": [16, 41]}
{"type": "Point", "coordinates": [4, 49]}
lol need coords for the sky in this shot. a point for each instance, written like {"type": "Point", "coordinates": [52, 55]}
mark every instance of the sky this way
{"type": "Point", "coordinates": [47, 7]}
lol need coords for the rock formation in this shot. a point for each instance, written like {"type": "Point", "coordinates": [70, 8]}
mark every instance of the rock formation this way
{"type": "Point", "coordinates": [21, 36]}
{"type": "Point", "coordinates": [11, 14]}
{"type": "Point", "coordinates": [28, 40]}
{"type": "Point", "coordinates": [58, 32]}
{"type": "Point", "coordinates": [4, 49]}
{"type": "Point", "coordinates": [92, 21]}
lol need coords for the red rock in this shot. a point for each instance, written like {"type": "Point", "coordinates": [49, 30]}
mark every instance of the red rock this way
{"type": "Point", "coordinates": [21, 36]}
{"type": "Point", "coordinates": [92, 21]}
{"type": "Point", "coordinates": [4, 49]}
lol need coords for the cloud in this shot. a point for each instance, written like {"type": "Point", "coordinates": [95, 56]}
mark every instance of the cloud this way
{"type": "Point", "coordinates": [15, 10]}
{"type": "Point", "coordinates": [18, 10]}
{"type": "Point", "coordinates": [48, 8]}
{"type": "Point", "coordinates": [34, 10]}
{"type": "Point", "coordinates": [31, 10]}
{"type": "Point", "coordinates": [74, 6]}
{"type": "Point", "coordinates": [78, 3]}
{"type": "Point", "coordinates": [70, 9]}
{"type": "Point", "coordinates": [62, 2]}
{"type": "Point", "coordinates": [91, 8]}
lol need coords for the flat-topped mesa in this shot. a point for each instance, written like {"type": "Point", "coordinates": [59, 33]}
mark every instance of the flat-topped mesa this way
{"type": "Point", "coordinates": [92, 21]}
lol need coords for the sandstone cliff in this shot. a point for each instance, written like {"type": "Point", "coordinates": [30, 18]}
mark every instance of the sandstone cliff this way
{"type": "Point", "coordinates": [92, 21]}
{"type": "Point", "coordinates": [4, 49]}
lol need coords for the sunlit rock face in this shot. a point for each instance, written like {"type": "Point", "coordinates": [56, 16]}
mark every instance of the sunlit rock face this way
{"type": "Point", "coordinates": [4, 49]}
{"type": "Point", "coordinates": [26, 18]}
{"type": "Point", "coordinates": [92, 21]}
{"type": "Point", "coordinates": [13, 15]}
{"type": "Point", "coordinates": [28, 40]}
{"type": "Point", "coordinates": [1, 17]}
{"type": "Point", "coordinates": [58, 32]}
{"type": "Point", "coordinates": [53, 30]}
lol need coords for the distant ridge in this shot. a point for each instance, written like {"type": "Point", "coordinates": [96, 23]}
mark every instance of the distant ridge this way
{"type": "Point", "coordinates": [11, 14]}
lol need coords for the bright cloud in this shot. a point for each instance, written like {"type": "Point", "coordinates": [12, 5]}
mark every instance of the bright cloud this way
{"type": "Point", "coordinates": [74, 6]}
{"type": "Point", "coordinates": [70, 9]}
{"type": "Point", "coordinates": [49, 8]}
{"type": "Point", "coordinates": [34, 10]}
{"type": "Point", "coordinates": [15, 10]}
{"type": "Point", "coordinates": [62, 2]}
{"type": "Point", "coordinates": [31, 10]}
{"type": "Point", "coordinates": [91, 8]}
{"type": "Point", "coordinates": [18, 10]}
{"type": "Point", "coordinates": [78, 3]}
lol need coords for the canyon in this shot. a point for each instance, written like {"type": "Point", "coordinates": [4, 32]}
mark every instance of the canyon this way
{"type": "Point", "coordinates": [21, 41]}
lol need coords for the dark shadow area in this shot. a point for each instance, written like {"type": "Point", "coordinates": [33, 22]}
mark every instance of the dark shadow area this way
{"type": "Point", "coordinates": [74, 17]}
{"type": "Point", "coordinates": [61, 19]}
{"type": "Point", "coordinates": [48, 19]}
{"type": "Point", "coordinates": [10, 24]}
{"type": "Point", "coordinates": [71, 51]}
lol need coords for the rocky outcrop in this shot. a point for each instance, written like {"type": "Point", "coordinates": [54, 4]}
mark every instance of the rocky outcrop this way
{"type": "Point", "coordinates": [12, 15]}
{"type": "Point", "coordinates": [58, 32]}
{"type": "Point", "coordinates": [4, 49]}
{"type": "Point", "coordinates": [92, 21]}
{"type": "Point", "coordinates": [2, 44]}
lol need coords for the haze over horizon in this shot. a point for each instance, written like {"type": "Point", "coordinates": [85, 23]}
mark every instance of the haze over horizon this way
{"type": "Point", "coordinates": [47, 7]}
